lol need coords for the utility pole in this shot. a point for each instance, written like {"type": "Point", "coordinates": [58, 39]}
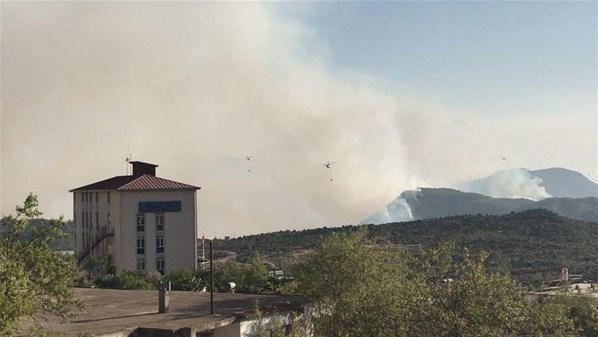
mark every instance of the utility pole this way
{"type": "Point", "coordinates": [212, 276]}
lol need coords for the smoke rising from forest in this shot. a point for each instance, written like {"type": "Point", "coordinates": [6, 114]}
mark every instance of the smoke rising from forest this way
{"type": "Point", "coordinates": [199, 86]}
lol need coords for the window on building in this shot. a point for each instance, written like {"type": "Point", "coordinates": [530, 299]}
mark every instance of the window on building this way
{"type": "Point", "coordinates": [140, 246]}
{"type": "Point", "coordinates": [140, 222]}
{"type": "Point", "coordinates": [160, 265]}
{"type": "Point", "coordinates": [159, 244]}
{"type": "Point", "coordinates": [97, 197]}
{"type": "Point", "coordinates": [159, 222]}
{"type": "Point", "coordinates": [140, 265]}
{"type": "Point", "coordinates": [108, 197]}
{"type": "Point", "coordinates": [97, 218]}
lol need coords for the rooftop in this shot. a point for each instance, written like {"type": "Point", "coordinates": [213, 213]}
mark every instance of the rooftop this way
{"type": "Point", "coordinates": [144, 182]}
{"type": "Point", "coordinates": [109, 311]}
{"type": "Point", "coordinates": [143, 179]}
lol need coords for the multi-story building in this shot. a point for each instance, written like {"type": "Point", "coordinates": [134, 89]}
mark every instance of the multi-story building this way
{"type": "Point", "coordinates": [141, 222]}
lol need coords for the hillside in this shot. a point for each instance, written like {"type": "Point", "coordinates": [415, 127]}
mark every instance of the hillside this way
{"type": "Point", "coordinates": [564, 183]}
{"type": "Point", "coordinates": [553, 182]}
{"type": "Point", "coordinates": [532, 244]}
{"type": "Point", "coordinates": [427, 203]}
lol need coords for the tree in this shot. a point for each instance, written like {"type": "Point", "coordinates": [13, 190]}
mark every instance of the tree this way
{"type": "Point", "coordinates": [185, 279]}
{"type": "Point", "coordinates": [357, 287]}
{"type": "Point", "coordinates": [34, 279]}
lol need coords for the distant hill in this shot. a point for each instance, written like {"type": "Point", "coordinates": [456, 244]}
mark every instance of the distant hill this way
{"type": "Point", "coordinates": [532, 244]}
{"type": "Point", "coordinates": [564, 183]}
{"type": "Point", "coordinates": [536, 185]}
{"type": "Point", "coordinates": [427, 203]}
{"type": "Point", "coordinates": [65, 243]}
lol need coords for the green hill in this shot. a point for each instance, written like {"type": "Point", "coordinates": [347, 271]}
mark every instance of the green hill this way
{"type": "Point", "coordinates": [532, 244]}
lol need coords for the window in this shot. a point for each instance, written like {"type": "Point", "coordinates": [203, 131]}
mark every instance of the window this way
{"type": "Point", "coordinates": [159, 222]}
{"type": "Point", "coordinates": [108, 197]}
{"type": "Point", "coordinates": [97, 218]}
{"type": "Point", "coordinates": [159, 244]}
{"type": "Point", "coordinates": [82, 196]}
{"type": "Point", "coordinates": [140, 222]}
{"type": "Point", "coordinates": [140, 246]}
{"type": "Point", "coordinates": [140, 265]}
{"type": "Point", "coordinates": [160, 266]}
{"type": "Point", "coordinates": [97, 197]}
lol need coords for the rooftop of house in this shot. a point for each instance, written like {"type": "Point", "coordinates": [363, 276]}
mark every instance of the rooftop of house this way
{"type": "Point", "coordinates": [122, 312]}
{"type": "Point", "coordinates": [143, 179]}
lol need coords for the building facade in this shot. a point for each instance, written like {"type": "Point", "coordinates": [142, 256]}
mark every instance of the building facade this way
{"type": "Point", "coordinates": [140, 222]}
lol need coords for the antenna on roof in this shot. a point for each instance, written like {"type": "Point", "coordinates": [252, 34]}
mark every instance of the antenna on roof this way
{"type": "Point", "coordinates": [128, 159]}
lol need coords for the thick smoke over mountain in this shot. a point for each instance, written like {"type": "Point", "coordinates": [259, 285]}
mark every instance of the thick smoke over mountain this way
{"type": "Point", "coordinates": [513, 183]}
{"type": "Point", "coordinates": [195, 87]}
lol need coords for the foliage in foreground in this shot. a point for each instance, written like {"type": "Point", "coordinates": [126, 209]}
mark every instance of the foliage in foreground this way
{"type": "Point", "coordinates": [34, 279]}
{"type": "Point", "coordinates": [358, 288]}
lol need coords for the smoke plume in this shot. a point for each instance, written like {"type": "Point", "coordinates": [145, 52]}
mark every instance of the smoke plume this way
{"type": "Point", "coordinates": [196, 87]}
{"type": "Point", "coordinates": [513, 183]}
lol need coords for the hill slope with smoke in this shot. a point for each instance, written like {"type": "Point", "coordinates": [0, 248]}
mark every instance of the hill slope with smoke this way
{"type": "Point", "coordinates": [535, 185]}
{"type": "Point", "coordinates": [563, 191]}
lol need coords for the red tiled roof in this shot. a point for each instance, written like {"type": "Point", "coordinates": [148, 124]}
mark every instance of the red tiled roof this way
{"type": "Point", "coordinates": [145, 182]}
{"type": "Point", "coordinates": [149, 182]}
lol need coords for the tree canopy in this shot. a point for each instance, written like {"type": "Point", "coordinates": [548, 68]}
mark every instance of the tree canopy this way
{"type": "Point", "coordinates": [358, 287]}
{"type": "Point", "coordinates": [35, 280]}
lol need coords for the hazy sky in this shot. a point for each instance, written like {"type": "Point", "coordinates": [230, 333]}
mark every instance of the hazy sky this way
{"type": "Point", "coordinates": [399, 95]}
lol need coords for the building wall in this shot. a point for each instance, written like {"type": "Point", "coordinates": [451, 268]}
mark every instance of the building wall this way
{"type": "Point", "coordinates": [116, 225]}
{"type": "Point", "coordinates": [180, 231]}
{"type": "Point", "coordinates": [90, 211]}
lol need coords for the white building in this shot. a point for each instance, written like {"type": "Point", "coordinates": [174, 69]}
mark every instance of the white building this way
{"type": "Point", "coordinates": [142, 222]}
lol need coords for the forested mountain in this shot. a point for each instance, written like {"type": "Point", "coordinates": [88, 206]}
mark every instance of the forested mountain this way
{"type": "Point", "coordinates": [532, 244]}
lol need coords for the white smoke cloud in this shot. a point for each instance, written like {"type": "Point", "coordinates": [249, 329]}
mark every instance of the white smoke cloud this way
{"type": "Point", "coordinates": [194, 87]}
{"type": "Point", "coordinates": [513, 183]}
{"type": "Point", "coordinates": [396, 211]}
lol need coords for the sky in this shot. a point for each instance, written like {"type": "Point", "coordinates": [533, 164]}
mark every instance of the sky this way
{"type": "Point", "coordinates": [397, 94]}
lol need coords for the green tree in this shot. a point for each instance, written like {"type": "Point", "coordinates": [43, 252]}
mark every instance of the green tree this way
{"type": "Point", "coordinates": [125, 279]}
{"type": "Point", "coordinates": [250, 277]}
{"type": "Point", "coordinates": [34, 279]}
{"type": "Point", "coordinates": [185, 279]}
{"type": "Point", "coordinates": [357, 287]}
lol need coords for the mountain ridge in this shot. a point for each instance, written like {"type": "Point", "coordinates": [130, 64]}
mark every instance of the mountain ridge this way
{"type": "Point", "coordinates": [564, 191]}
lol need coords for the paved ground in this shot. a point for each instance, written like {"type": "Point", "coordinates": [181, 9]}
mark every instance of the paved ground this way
{"type": "Point", "coordinates": [117, 310]}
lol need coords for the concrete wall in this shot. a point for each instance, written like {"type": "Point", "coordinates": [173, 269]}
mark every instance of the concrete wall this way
{"type": "Point", "coordinates": [180, 231]}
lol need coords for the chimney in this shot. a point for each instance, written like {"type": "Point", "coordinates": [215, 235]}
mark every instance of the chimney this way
{"type": "Point", "coordinates": [140, 168]}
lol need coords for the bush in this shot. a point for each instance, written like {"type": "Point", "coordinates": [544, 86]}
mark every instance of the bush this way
{"type": "Point", "coordinates": [185, 279]}
{"type": "Point", "coordinates": [124, 280]}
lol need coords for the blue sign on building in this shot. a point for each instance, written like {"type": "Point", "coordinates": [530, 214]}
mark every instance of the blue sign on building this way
{"type": "Point", "coordinates": [159, 206]}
